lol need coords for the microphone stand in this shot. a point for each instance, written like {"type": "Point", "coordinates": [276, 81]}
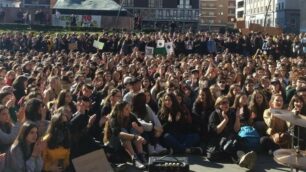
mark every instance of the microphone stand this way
{"type": "Point", "coordinates": [296, 148]}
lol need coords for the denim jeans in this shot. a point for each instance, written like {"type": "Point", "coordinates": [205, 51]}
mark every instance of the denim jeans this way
{"type": "Point", "coordinates": [180, 142]}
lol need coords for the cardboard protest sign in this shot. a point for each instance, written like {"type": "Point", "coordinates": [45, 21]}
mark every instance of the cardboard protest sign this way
{"type": "Point", "coordinates": [94, 162]}
{"type": "Point", "coordinates": [160, 43]}
{"type": "Point", "coordinates": [169, 47]}
{"type": "Point", "coordinates": [98, 45]}
{"type": "Point", "coordinates": [72, 46]}
{"type": "Point", "coordinates": [149, 51]}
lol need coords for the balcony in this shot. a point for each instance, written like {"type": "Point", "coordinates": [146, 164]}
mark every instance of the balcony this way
{"type": "Point", "coordinates": [36, 3]}
{"type": "Point", "coordinates": [208, 8]}
{"type": "Point", "coordinates": [166, 14]}
{"type": "Point", "coordinates": [208, 16]}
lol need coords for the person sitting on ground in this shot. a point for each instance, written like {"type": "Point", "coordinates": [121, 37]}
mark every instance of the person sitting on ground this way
{"type": "Point", "coordinates": [148, 119]}
{"type": "Point", "coordinates": [123, 130]}
{"type": "Point", "coordinates": [56, 155]}
{"type": "Point", "coordinates": [25, 153]}
{"type": "Point", "coordinates": [223, 127]}
{"type": "Point", "coordinates": [277, 136]}
{"type": "Point", "coordinates": [176, 134]}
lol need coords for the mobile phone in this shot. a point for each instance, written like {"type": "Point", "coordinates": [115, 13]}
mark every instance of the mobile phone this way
{"type": "Point", "coordinates": [61, 164]}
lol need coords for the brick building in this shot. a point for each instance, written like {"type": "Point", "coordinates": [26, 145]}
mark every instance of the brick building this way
{"type": "Point", "coordinates": [158, 14]}
{"type": "Point", "coordinates": [215, 14]}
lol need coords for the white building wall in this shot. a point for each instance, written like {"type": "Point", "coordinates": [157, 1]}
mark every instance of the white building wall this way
{"type": "Point", "coordinates": [302, 5]}
{"type": "Point", "coordinates": [255, 12]}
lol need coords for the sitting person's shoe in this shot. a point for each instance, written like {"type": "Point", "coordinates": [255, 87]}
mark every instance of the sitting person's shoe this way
{"type": "Point", "coordinates": [142, 157]}
{"type": "Point", "coordinates": [119, 167]}
{"type": "Point", "coordinates": [138, 164]}
{"type": "Point", "coordinates": [159, 149]}
{"type": "Point", "coordinates": [152, 150]}
{"type": "Point", "coordinates": [195, 150]}
{"type": "Point", "coordinates": [248, 160]}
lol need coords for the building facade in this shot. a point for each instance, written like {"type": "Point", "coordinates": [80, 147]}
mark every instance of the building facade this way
{"type": "Point", "coordinates": [287, 14]}
{"type": "Point", "coordinates": [240, 10]}
{"type": "Point", "coordinates": [261, 12]}
{"type": "Point", "coordinates": [159, 14]}
{"type": "Point", "coordinates": [215, 14]}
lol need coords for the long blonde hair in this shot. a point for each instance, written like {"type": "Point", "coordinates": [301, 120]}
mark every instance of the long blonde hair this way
{"type": "Point", "coordinates": [116, 114]}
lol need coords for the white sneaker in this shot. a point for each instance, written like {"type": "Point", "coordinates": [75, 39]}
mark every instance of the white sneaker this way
{"type": "Point", "coordinates": [151, 149]}
{"type": "Point", "coordinates": [248, 160]}
{"type": "Point", "coordinates": [138, 164]}
{"type": "Point", "coordinates": [160, 149]}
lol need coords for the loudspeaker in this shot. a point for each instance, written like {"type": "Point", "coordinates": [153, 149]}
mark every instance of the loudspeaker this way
{"type": "Point", "coordinates": [168, 164]}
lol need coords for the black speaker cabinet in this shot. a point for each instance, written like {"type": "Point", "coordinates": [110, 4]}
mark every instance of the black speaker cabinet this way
{"type": "Point", "coordinates": [168, 164]}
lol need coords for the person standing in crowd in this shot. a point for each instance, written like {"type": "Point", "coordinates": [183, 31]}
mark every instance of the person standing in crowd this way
{"type": "Point", "coordinates": [73, 22]}
{"type": "Point", "coordinates": [211, 46]}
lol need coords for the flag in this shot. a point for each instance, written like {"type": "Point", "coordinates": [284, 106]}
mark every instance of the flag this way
{"type": "Point", "coordinates": [149, 51]}
{"type": "Point", "coordinates": [160, 43]}
{"type": "Point", "coordinates": [169, 47]}
{"type": "Point", "coordinates": [98, 45]}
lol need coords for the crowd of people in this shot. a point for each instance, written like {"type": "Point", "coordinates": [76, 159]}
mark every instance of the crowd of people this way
{"type": "Point", "coordinates": [211, 96]}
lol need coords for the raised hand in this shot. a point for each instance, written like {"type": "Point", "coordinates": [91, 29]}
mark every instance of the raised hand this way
{"type": "Point", "coordinates": [169, 118]}
{"type": "Point", "coordinates": [224, 115]}
{"type": "Point", "coordinates": [39, 146]}
{"type": "Point", "coordinates": [91, 120]}
{"type": "Point", "coordinates": [178, 116]}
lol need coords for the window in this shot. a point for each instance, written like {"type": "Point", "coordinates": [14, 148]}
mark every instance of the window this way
{"type": "Point", "coordinates": [128, 3]}
{"type": "Point", "coordinates": [155, 3]}
{"type": "Point", "coordinates": [231, 11]}
{"type": "Point", "coordinates": [167, 13]}
{"type": "Point", "coordinates": [240, 4]}
{"type": "Point", "coordinates": [231, 4]}
{"type": "Point", "coordinates": [269, 23]}
{"type": "Point", "coordinates": [211, 13]}
{"type": "Point", "coordinates": [36, 2]}
{"type": "Point", "coordinates": [240, 14]}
